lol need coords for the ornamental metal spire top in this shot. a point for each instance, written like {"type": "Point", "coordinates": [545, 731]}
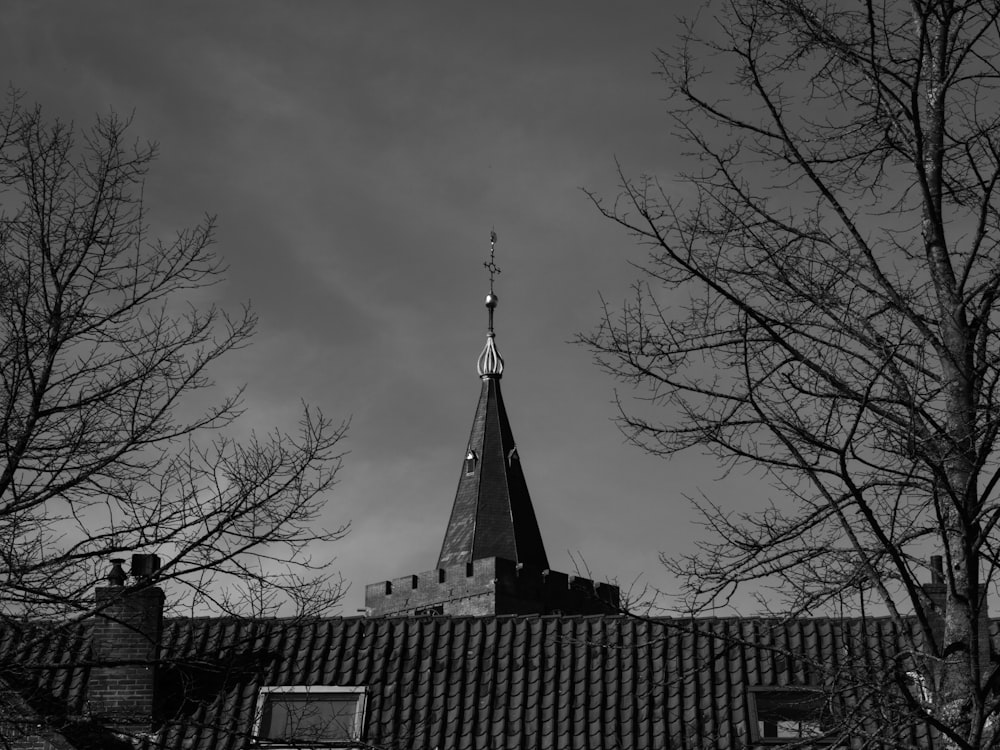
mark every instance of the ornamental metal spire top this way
{"type": "Point", "coordinates": [490, 363]}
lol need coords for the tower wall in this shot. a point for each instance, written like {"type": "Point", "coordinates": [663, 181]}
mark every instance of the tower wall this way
{"type": "Point", "coordinates": [490, 586]}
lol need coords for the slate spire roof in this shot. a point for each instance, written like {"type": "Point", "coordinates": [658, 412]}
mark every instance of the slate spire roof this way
{"type": "Point", "coordinates": [492, 515]}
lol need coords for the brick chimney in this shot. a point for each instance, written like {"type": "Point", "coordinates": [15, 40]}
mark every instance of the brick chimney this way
{"type": "Point", "coordinates": [937, 592]}
{"type": "Point", "coordinates": [125, 646]}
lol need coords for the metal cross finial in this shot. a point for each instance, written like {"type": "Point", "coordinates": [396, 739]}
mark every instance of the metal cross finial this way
{"type": "Point", "coordinates": [490, 363]}
{"type": "Point", "coordinates": [492, 267]}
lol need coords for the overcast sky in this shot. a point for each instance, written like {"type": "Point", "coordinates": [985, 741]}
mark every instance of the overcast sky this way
{"type": "Point", "coordinates": [357, 156]}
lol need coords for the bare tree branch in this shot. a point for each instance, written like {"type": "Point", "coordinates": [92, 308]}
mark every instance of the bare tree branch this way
{"type": "Point", "coordinates": [106, 444]}
{"type": "Point", "coordinates": [825, 311]}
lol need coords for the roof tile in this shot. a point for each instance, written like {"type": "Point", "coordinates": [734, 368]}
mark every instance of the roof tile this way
{"type": "Point", "coordinates": [594, 682]}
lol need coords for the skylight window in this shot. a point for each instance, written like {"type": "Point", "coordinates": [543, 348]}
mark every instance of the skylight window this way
{"type": "Point", "coordinates": [795, 717]}
{"type": "Point", "coordinates": [297, 716]}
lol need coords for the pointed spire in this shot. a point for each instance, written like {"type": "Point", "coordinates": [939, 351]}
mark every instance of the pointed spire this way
{"type": "Point", "coordinates": [490, 363]}
{"type": "Point", "coordinates": [492, 515]}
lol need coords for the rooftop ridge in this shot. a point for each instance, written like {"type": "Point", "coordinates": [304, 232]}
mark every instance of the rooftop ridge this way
{"type": "Point", "coordinates": [665, 620]}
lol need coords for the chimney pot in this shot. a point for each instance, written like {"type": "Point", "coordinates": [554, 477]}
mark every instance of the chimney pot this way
{"type": "Point", "coordinates": [145, 566]}
{"type": "Point", "coordinates": [117, 575]}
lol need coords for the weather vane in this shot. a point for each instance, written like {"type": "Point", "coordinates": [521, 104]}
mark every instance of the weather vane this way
{"type": "Point", "coordinates": [492, 267]}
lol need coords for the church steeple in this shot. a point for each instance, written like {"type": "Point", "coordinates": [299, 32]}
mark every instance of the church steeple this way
{"type": "Point", "coordinates": [492, 515]}
{"type": "Point", "coordinates": [492, 561]}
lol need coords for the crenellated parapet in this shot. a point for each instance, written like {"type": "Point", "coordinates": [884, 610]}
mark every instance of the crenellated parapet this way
{"type": "Point", "coordinates": [490, 586]}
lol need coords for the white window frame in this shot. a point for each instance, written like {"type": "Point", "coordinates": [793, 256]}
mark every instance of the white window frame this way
{"type": "Point", "coordinates": [361, 691]}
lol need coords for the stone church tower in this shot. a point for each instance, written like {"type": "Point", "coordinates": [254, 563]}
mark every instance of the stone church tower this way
{"type": "Point", "coordinates": [492, 560]}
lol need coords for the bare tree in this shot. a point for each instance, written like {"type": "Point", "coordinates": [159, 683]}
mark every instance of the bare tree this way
{"type": "Point", "coordinates": [106, 446]}
{"type": "Point", "coordinates": [820, 304]}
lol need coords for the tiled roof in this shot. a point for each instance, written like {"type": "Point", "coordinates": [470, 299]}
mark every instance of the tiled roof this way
{"type": "Point", "coordinates": [585, 682]}
{"type": "Point", "coordinates": [492, 515]}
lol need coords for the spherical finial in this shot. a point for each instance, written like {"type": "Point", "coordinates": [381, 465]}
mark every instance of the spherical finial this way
{"type": "Point", "coordinates": [491, 301]}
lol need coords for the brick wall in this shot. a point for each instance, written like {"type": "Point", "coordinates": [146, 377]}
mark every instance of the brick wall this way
{"type": "Point", "coordinates": [126, 642]}
{"type": "Point", "coordinates": [490, 586]}
{"type": "Point", "coordinates": [21, 728]}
